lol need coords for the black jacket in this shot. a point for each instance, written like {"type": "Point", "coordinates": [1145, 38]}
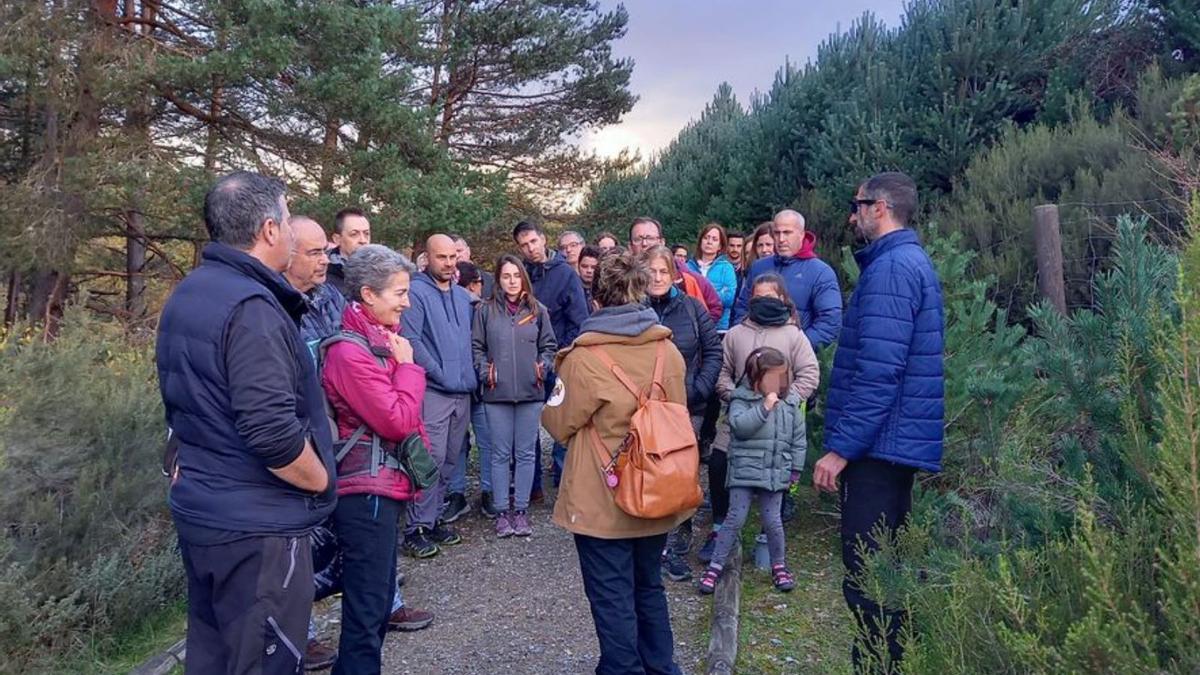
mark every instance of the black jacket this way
{"type": "Point", "coordinates": [695, 336]}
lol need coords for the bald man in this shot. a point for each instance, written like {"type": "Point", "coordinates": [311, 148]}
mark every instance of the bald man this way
{"type": "Point", "coordinates": [307, 272]}
{"type": "Point", "coordinates": [438, 324]}
{"type": "Point", "coordinates": [811, 283]}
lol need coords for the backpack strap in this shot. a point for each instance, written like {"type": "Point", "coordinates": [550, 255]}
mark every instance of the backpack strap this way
{"type": "Point", "coordinates": [618, 372]}
{"type": "Point", "coordinates": [323, 349]}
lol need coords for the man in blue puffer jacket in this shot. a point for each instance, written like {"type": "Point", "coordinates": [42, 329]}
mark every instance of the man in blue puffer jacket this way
{"type": "Point", "coordinates": [811, 282]}
{"type": "Point", "coordinates": [883, 419]}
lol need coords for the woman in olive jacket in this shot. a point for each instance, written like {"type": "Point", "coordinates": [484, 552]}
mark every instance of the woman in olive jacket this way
{"type": "Point", "coordinates": [513, 346]}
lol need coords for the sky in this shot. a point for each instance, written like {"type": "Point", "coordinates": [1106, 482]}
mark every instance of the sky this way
{"type": "Point", "coordinates": [684, 49]}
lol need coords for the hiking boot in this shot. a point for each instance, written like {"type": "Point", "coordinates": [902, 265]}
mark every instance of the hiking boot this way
{"type": "Point", "coordinates": [520, 524]}
{"type": "Point", "coordinates": [487, 506]}
{"type": "Point", "coordinates": [318, 655]}
{"type": "Point", "coordinates": [408, 619]}
{"type": "Point", "coordinates": [417, 544]}
{"type": "Point", "coordinates": [454, 507]}
{"type": "Point", "coordinates": [504, 528]}
{"type": "Point", "coordinates": [705, 553]}
{"type": "Point", "coordinates": [444, 536]}
{"type": "Point", "coordinates": [676, 568]}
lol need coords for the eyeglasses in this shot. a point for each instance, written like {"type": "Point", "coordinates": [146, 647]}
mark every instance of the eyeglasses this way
{"type": "Point", "coordinates": [647, 239]}
{"type": "Point", "coordinates": [856, 203]}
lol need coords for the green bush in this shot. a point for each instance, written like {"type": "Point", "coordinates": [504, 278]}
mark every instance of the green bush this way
{"type": "Point", "coordinates": [87, 548]}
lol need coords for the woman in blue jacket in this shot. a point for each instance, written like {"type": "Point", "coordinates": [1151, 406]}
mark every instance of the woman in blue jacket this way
{"type": "Point", "coordinates": [711, 263]}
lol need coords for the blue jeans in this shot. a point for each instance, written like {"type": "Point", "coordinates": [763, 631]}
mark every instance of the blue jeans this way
{"type": "Point", "coordinates": [623, 582]}
{"type": "Point", "coordinates": [483, 441]}
{"type": "Point", "coordinates": [368, 529]}
{"type": "Point", "coordinates": [514, 429]}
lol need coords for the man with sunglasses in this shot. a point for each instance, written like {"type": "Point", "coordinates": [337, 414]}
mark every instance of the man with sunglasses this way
{"type": "Point", "coordinates": [811, 282]}
{"type": "Point", "coordinates": [883, 418]}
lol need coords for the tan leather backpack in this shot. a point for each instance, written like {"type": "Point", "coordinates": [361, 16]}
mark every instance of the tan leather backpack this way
{"type": "Point", "coordinates": [655, 472]}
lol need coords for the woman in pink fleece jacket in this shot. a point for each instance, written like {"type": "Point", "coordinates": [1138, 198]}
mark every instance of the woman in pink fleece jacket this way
{"type": "Point", "coordinates": [372, 383]}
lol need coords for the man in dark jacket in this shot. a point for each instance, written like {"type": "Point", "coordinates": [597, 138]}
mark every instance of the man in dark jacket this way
{"type": "Point", "coordinates": [255, 469]}
{"type": "Point", "coordinates": [884, 416]}
{"type": "Point", "coordinates": [351, 231]}
{"type": "Point", "coordinates": [559, 288]}
{"type": "Point", "coordinates": [811, 282]}
{"type": "Point", "coordinates": [438, 324]}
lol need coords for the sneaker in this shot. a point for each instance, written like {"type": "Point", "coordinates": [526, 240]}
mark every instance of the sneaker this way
{"type": "Point", "coordinates": [418, 544]}
{"type": "Point", "coordinates": [676, 568]}
{"type": "Point", "coordinates": [408, 619]}
{"type": "Point", "coordinates": [705, 553]}
{"type": "Point", "coordinates": [504, 526]}
{"type": "Point", "coordinates": [318, 655]}
{"type": "Point", "coordinates": [682, 543]}
{"type": "Point", "coordinates": [782, 578]}
{"type": "Point", "coordinates": [708, 581]}
{"type": "Point", "coordinates": [454, 507]}
{"type": "Point", "coordinates": [444, 536]}
{"type": "Point", "coordinates": [520, 524]}
{"type": "Point", "coordinates": [487, 506]}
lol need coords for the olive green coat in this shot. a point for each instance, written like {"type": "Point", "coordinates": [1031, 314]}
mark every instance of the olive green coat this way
{"type": "Point", "coordinates": [766, 447]}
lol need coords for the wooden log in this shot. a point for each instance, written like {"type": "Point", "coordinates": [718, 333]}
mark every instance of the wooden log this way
{"type": "Point", "coordinates": [1047, 244]}
{"type": "Point", "coordinates": [727, 599]}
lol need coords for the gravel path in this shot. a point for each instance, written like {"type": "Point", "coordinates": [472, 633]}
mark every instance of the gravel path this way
{"type": "Point", "coordinates": [514, 606]}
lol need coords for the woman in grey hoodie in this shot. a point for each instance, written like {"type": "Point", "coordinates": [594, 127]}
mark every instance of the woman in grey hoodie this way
{"type": "Point", "coordinates": [513, 346]}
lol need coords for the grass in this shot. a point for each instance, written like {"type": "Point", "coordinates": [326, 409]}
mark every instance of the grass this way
{"type": "Point", "coordinates": [122, 653]}
{"type": "Point", "coordinates": [808, 630]}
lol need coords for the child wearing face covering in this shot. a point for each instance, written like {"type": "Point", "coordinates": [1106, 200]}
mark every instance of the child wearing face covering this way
{"type": "Point", "coordinates": [771, 322]}
{"type": "Point", "coordinates": [766, 455]}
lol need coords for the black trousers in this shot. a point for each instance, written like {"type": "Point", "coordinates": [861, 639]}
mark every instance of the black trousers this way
{"type": "Point", "coordinates": [248, 605]}
{"type": "Point", "coordinates": [873, 494]}
{"type": "Point", "coordinates": [718, 467]}
{"type": "Point", "coordinates": [367, 528]}
{"type": "Point", "coordinates": [623, 582]}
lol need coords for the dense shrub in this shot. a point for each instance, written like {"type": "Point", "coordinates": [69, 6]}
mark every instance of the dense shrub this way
{"type": "Point", "coordinates": [86, 548]}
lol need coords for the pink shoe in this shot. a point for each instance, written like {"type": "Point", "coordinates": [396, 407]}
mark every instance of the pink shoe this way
{"type": "Point", "coordinates": [504, 526]}
{"type": "Point", "coordinates": [520, 524]}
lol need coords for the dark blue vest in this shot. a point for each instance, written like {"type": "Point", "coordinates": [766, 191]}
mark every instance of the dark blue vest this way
{"type": "Point", "coordinates": [223, 486]}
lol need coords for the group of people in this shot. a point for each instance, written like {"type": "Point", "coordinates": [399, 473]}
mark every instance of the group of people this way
{"type": "Point", "coordinates": [308, 382]}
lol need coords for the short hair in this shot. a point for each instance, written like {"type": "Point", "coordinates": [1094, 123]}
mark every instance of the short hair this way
{"type": "Point", "coordinates": [897, 189]}
{"type": "Point", "coordinates": [339, 219]}
{"type": "Point", "coordinates": [607, 235]}
{"type": "Point", "coordinates": [459, 239]}
{"type": "Point", "coordinates": [526, 226]}
{"type": "Point", "coordinates": [645, 219]}
{"type": "Point", "coordinates": [589, 251]}
{"type": "Point", "coordinates": [372, 266]}
{"type": "Point", "coordinates": [761, 360]}
{"type": "Point", "coordinates": [468, 273]}
{"type": "Point", "coordinates": [735, 234]}
{"type": "Point", "coordinates": [620, 280]}
{"type": "Point", "coordinates": [573, 233]}
{"type": "Point", "coordinates": [724, 238]}
{"type": "Point", "coordinates": [238, 204]}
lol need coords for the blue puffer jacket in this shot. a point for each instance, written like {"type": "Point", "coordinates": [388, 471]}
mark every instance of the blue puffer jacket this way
{"type": "Point", "coordinates": [724, 279]}
{"type": "Point", "coordinates": [324, 316]}
{"type": "Point", "coordinates": [558, 287]}
{"type": "Point", "coordinates": [811, 284]}
{"type": "Point", "coordinates": [886, 391]}
{"type": "Point", "coordinates": [438, 324]}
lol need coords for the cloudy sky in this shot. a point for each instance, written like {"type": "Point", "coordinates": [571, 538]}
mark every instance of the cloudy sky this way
{"type": "Point", "coordinates": [683, 49]}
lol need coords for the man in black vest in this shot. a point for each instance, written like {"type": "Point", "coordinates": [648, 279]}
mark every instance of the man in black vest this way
{"type": "Point", "coordinates": [255, 465]}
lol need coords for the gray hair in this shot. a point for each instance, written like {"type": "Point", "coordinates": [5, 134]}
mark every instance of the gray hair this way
{"type": "Point", "coordinates": [372, 266]}
{"type": "Point", "coordinates": [895, 188]}
{"type": "Point", "coordinates": [572, 233]}
{"type": "Point", "coordinates": [236, 207]}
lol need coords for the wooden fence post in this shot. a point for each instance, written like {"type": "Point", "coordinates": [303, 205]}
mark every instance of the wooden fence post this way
{"type": "Point", "coordinates": [1047, 245]}
{"type": "Point", "coordinates": [723, 645]}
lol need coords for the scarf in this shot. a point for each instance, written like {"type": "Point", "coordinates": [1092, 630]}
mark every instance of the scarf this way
{"type": "Point", "coordinates": [766, 311]}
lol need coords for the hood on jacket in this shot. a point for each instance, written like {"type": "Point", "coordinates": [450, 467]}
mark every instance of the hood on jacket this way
{"type": "Point", "coordinates": [356, 318]}
{"type": "Point", "coordinates": [538, 270]}
{"type": "Point", "coordinates": [624, 320]}
{"type": "Point", "coordinates": [745, 393]}
{"type": "Point", "coordinates": [447, 296]}
{"type": "Point", "coordinates": [808, 246]}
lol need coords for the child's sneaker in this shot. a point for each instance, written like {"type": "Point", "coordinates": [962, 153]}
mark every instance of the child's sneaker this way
{"type": "Point", "coordinates": [504, 526]}
{"type": "Point", "coordinates": [520, 524]}
{"type": "Point", "coordinates": [782, 577]}
{"type": "Point", "coordinates": [708, 581]}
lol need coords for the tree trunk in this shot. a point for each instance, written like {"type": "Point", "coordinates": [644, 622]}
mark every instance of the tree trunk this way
{"type": "Point", "coordinates": [12, 298]}
{"type": "Point", "coordinates": [135, 264]}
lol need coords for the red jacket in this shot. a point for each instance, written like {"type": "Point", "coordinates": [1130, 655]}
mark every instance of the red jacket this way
{"type": "Point", "coordinates": [708, 294]}
{"type": "Point", "coordinates": [386, 399]}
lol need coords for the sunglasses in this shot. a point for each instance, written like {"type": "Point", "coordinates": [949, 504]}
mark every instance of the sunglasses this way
{"type": "Point", "coordinates": [856, 203]}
